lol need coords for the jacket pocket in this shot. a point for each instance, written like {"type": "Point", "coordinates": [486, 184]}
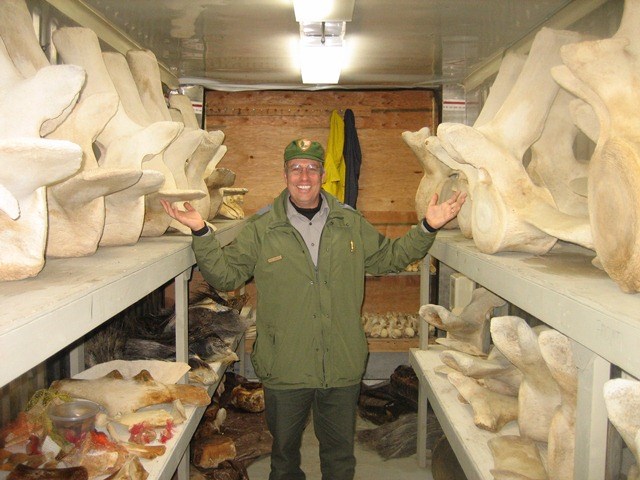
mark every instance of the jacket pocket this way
{"type": "Point", "coordinates": [263, 355]}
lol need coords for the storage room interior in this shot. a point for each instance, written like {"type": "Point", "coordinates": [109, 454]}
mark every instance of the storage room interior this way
{"type": "Point", "coordinates": [508, 351]}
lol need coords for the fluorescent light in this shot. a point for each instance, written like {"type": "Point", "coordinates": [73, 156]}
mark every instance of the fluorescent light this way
{"type": "Point", "coordinates": [320, 63]}
{"type": "Point", "coordinates": [323, 10]}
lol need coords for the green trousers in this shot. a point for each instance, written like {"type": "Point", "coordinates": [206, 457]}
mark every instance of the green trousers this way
{"type": "Point", "coordinates": [334, 422]}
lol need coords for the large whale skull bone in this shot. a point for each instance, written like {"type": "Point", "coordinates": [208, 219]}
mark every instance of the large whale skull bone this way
{"type": "Point", "coordinates": [123, 143]}
{"type": "Point", "coordinates": [75, 206]}
{"type": "Point", "coordinates": [604, 74]}
{"type": "Point", "coordinates": [558, 355]}
{"type": "Point", "coordinates": [156, 221]}
{"type": "Point", "coordinates": [471, 325]}
{"type": "Point", "coordinates": [510, 212]}
{"type": "Point", "coordinates": [491, 410]}
{"type": "Point", "coordinates": [495, 372]}
{"type": "Point", "coordinates": [29, 164]}
{"type": "Point", "coordinates": [622, 400]}
{"type": "Point", "coordinates": [539, 393]}
{"type": "Point", "coordinates": [516, 458]}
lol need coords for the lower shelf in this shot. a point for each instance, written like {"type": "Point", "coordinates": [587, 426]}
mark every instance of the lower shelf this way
{"type": "Point", "coordinates": [456, 419]}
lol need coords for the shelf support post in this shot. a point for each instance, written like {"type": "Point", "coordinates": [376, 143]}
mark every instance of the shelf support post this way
{"type": "Point", "coordinates": [591, 436]}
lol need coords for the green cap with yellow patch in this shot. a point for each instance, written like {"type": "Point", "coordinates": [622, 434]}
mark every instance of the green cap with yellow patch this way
{"type": "Point", "coordinates": [303, 148]}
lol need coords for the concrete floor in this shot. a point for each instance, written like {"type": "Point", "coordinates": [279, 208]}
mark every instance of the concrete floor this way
{"type": "Point", "coordinates": [370, 466]}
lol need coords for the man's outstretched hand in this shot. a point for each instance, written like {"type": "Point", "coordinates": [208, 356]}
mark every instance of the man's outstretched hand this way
{"type": "Point", "coordinates": [189, 217]}
{"type": "Point", "coordinates": [439, 214]}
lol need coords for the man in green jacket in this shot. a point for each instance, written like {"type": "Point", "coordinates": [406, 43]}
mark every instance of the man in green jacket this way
{"type": "Point", "coordinates": [308, 254]}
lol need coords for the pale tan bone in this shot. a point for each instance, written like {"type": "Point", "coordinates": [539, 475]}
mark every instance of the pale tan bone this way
{"type": "Point", "coordinates": [16, 30]}
{"type": "Point", "coordinates": [472, 324]}
{"type": "Point", "coordinates": [232, 200]}
{"type": "Point", "coordinates": [123, 143]}
{"type": "Point", "coordinates": [156, 221]}
{"type": "Point", "coordinates": [553, 163]}
{"type": "Point", "coordinates": [29, 164]}
{"type": "Point", "coordinates": [516, 458]}
{"type": "Point", "coordinates": [121, 396]}
{"type": "Point", "coordinates": [510, 68]}
{"type": "Point", "coordinates": [509, 211]}
{"type": "Point", "coordinates": [462, 177]}
{"type": "Point", "coordinates": [496, 372]}
{"type": "Point", "coordinates": [604, 73]}
{"type": "Point", "coordinates": [205, 157]}
{"type": "Point", "coordinates": [146, 75]}
{"type": "Point", "coordinates": [491, 411]}
{"type": "Point", "coordinates": [176, 115]}
{"type": "Point", "coordinates": [622, 400]}
{"type": "Point", "coordinates": [219, 178]}
{"type": "Point", "coordinates": [539, 394]}
{"type": "Point", "coordinates": [76, 206]}
{"type": "Point", "coordinates": [182, 104]}
{"type": "Point", "coordinates": [434, 172]}
{"type": "Point", "coordinates": [53, 91]}
{"type": "Point", "coordinates": [558, 355]}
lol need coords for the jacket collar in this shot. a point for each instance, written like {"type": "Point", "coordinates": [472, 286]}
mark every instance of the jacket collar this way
{"type": "Point", "coordinates": [280, 207]}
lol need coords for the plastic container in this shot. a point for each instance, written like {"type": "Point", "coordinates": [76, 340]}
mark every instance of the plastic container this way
{"type": "Point", "coordinates": [72, 420]}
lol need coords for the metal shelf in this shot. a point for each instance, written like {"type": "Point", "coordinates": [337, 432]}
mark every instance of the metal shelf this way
{"type": "Point", "coordinates": [467, 441]}
{"type": "Point", "coordinates": [562, 289]}
{"type": "Point", "coordinates": [71, 296]}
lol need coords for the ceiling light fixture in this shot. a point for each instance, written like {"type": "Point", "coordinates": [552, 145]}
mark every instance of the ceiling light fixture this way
{"type": "Point", "coordinates": [322, 29]}
{"type": "Point", "coordinates": [321, 52]}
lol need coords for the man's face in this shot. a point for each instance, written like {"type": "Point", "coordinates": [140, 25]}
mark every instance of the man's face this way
{"type": "Point", "coordinates": [304, 181]}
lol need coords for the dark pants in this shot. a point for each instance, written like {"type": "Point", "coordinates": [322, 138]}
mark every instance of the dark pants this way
{"type": "Point", "coordinates": [334, 422]}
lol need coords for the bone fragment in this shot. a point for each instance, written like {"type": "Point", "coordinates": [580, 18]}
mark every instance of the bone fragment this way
{"type": "Point", "coordinates": [539, 394]}
{"type": "Point", "coordinates": [491, 411]}
{"type": "Point", "coordinates": [472, 324]}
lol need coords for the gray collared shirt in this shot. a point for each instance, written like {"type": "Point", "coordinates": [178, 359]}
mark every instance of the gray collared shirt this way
{"type": "Point", "coordinates": [310, 230]}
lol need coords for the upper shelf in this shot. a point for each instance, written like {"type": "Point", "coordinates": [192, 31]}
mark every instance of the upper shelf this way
{"type": "Point", "coordinates": [562, 289]}
{"type": "Point", "coordinates": [71, 296]}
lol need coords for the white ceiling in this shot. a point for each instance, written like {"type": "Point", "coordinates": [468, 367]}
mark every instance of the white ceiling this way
{"type": "Point", "coordinates": [393, 43]}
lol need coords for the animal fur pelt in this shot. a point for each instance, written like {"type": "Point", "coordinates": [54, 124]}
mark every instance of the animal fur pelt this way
{"type": "Point", "coordinates": [386, 401]}
{"type": "Point", "coordinates": [212, 329]}
{"type": "Point", "coordinates": [392, 440]}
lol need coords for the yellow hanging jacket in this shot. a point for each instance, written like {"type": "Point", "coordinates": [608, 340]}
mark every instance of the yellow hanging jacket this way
{"type": "Point", "coordinates": [334, 163]}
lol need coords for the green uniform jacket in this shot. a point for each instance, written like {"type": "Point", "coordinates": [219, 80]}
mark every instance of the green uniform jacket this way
{"type": "Point", "coordinates": [309, 332]}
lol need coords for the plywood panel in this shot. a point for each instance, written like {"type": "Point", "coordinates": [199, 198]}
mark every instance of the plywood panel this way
{"type": "Point", "coordinates": [258, 125]}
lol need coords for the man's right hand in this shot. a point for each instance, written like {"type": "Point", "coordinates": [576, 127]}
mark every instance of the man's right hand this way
{"type": "Point", "coordinates": [189, 217]}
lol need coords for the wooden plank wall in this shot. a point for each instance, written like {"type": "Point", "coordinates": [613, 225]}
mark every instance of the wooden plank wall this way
{"type": "Point", "coordinates": [258, 125]}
